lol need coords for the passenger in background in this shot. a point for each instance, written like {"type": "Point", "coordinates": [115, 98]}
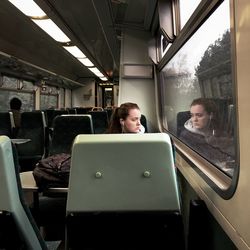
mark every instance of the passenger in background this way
{"type": "Point", "coordinates": [202, 133]}
{"type": "Point", "coordinates": [15, 108]}
{"type": "Point", "coordinates": [126, 119]}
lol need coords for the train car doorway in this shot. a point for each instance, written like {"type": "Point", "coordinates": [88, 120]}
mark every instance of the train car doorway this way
{"type": "Point", "coordinates": [106, 91]}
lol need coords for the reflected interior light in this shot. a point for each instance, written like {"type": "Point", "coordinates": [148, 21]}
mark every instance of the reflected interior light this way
{"type": "Point", "coordinates": [52, 29]}
{"type": "Point", "coordinates": [86, 62]}
{"type": "Point", "coordinates": [28, 7]}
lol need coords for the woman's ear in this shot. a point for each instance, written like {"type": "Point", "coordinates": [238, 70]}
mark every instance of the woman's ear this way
{"type": "Point", "coordinates": [122, 122]}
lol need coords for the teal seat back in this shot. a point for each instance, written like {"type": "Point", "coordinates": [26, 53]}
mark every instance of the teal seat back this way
{"type": "Point", "coordinates": [123, 172]}
{"type": "Point", "coordinates": [11, 200]}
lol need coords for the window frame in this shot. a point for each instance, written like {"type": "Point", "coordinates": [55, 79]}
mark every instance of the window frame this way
{"type": "Point", "coordinates": [219, 181]}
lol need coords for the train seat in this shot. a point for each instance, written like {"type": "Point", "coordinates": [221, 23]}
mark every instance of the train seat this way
{"type": "Point", "coordinates": [144, 122]}
{"type": "Point", "coordinates": [50, 114]}
{"type": "Point", "coordinates": [109, 112]}
{"type": "Point", "coordinates": [82, 110]}
{"type": "Point", "coordinates": [65, 129]}
{"type": "Point", "coordinates": [97, 109]}
{"type": "Point", "coordinates": [182, 117]}
{"type": "Point", "coordinates": [33, 127]}
{"type": "Point", "coordinates": [100, 120]}
{"type": "Point", "coordinates": [7, 125]}
{"type": "Point", "coordinates": [71, 110]}
{"type": "Point", "coordinates": [17, 227]}
{"type": "Point", "coordinates": [123, 193]}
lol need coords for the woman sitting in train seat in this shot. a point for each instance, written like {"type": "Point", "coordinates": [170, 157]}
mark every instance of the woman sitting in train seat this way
{"type": "Point", "coordinates": [126, 119]}
{"type": "Point", "coordinates": [202, 133]}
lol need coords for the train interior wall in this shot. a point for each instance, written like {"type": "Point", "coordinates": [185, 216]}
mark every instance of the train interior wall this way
{"type": "Point", "coordinates": [202, 231]}
{"type": "Point", "coordinates": [134, 51]}
{"type": "Point", "coordinates": [84, 96]}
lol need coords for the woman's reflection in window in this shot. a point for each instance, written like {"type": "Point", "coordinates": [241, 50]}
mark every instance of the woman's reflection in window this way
{"type": "Point", "coordinates": [203, 134]}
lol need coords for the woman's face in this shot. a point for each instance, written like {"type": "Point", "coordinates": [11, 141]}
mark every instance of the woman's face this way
{"type": "Point", "coordinates": [199, 116]}
{"type": "Point", "coordinates": [132, 123]}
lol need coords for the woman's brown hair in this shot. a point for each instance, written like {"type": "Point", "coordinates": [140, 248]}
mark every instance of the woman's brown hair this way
{"type": "Point", "coordinates": [121, 112]}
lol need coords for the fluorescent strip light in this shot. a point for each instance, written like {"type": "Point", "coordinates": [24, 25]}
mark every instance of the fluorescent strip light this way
{"type": "Point", "coordinates": [99, 75]}
{"type": "Point", "coordinates": [28, 7]}
{"type": "Point", "coordinates": [31, 9]}
{"type": "Point", "coordinates": [73, 50]}
{"type": "Point", "coordinates": [96, 72]}
{"type": "Point", "coordinates": [52, 29]}
{"type": "Point", "coordinates": [104, 78]}
{"type": "Point", "coordinates": [86, 62]}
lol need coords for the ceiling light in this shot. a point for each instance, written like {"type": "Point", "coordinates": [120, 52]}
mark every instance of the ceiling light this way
{"type": "Point", "coordinates": [99, 74]}
{"type": "Point", "coordinates": [38, 16]}
{"type": "Point", "coordinates": [96, 72]}
{"type": "Point", "coordinates": [86, 62]}
{"type": "Point", "coordinates": [52, 29]}
{"type": "Point", "coordinates": [73, 50]}
{"type": "Point", "coordinates": [104, 78]}
{"type": "Point", "coordinates": [28, 7]}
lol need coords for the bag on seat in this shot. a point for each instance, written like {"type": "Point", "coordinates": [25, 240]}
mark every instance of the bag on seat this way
{"type": "Point", "coordinates": [53, 171]}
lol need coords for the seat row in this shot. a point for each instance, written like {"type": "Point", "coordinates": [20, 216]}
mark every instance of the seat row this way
{"type": "Point", "coordinates": [41, 141]}
{"type": "Point", "coordinates": [46, 140]}
{"type": "Point", "coordinates": [99, 115]}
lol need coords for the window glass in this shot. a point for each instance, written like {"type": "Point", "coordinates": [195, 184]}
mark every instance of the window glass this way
{"type": "Point", "coordinates": [9, 89]}
{"type": "Point", "coordinates": [10, 82]}
{"type": "Point", "coordinates": [49, 90]}
{"type": "Point", "coordinates": [27, 98]}
{"type": "Point", "coordinates": [48, 101]}
{"type": "Point", "coordinates": [186, 10]}
{"type": "Point", "coordinates": [27, 85]}
{"type": "Point", "coordinates": [202, 68]}
{"type": "Point", "coordinates": [49, 97]}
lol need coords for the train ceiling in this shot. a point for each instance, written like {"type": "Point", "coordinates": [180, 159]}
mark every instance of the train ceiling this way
{"type": "Point", "coordinates": [95, 26]}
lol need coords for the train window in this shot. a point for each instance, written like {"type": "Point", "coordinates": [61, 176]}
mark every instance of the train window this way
{"type": "Point", "coordinates": [10, 82]}
{"type": "Point", "coordinates": [26, 85]}
{"type": "Point", "coordinates": [13, 87]}
{"type": "Point", "coordinates": [186, 10]}
{"type": "Point", "coordinates": [202, 71]}
{"type": "Point", "coordinates": [49, 97]}
{"type": "Point", "coordinates": [48, 101]}
{"type": "Point", "coordinates": [28, 101]}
